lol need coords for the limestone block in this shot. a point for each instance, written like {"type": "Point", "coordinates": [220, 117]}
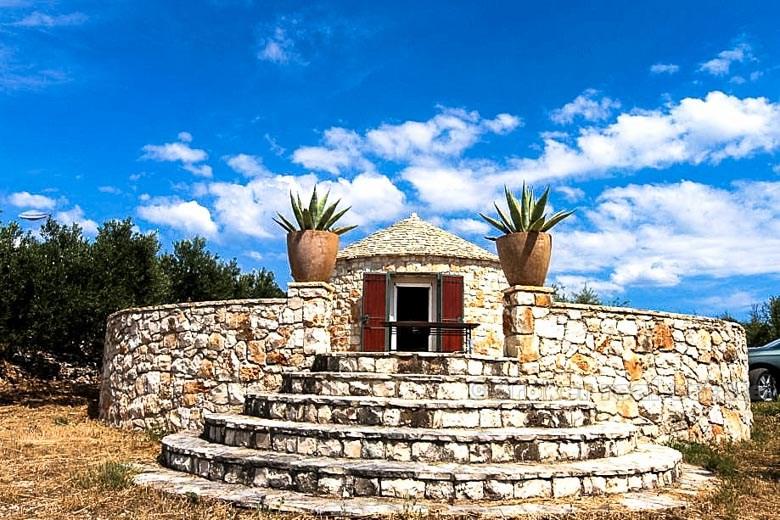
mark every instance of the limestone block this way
{"type": "Point", "coordinates": [536, 488]}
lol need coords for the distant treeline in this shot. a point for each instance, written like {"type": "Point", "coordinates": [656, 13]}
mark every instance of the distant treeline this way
{"type": "Point", "coordinates": [57, 287]}
{"type": "Point", "coordinates": [763, 323]}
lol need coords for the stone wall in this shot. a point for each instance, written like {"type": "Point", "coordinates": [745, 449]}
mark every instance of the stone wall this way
{"type": "Point", "coordinates": [164, 366]}
{"type": "Point", "coordinates": [676, 376]}
{"type": "Point", "coordinates": [483, 282]}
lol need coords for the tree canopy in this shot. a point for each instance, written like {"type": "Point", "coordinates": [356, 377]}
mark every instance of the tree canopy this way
{"type": "Point", "coordinates": [58, 287]}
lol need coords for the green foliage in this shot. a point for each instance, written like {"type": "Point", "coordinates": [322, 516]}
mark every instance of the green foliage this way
{"type": "Point", "coordinates": [586, 295]}
{"type": "Point", "coordinates": [58, 288]}
{"type": "Point", "coordinates": [763, 323]}
{"type": "Point", "coordinates": [111, 476]}
{"type": "Point", "coordinates": [526, 214]}
{"type": "Point", "coordinates": [714, 459]}
{"type": "Point", "coordinates": [317, 215]}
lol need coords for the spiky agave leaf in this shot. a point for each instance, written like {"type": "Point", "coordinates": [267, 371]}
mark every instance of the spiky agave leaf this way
{"type": "Point", "coordinates": [286, 224]}
{"type": "Point", "coordinates": [507, 223]}
{"type": "Point", "coordinates": [514, 210]}
{"type": "Point", "coordinates": [557, 217]}
{"type": "Point", "coordinates": [496, 224]}
{"type": "Point", "coordinates": [296, 207]}
{"type": "Point", "coordinates": [525, 214]}
{"type": "Point", "coordinates": [540, 205]}
{"type": "Point", "coordinates": [342, 230]}
{"type": "Point", "coordinates": [335, 218]}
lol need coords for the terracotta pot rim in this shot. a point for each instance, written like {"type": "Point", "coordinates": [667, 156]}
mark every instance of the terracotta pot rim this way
{"type": "Point", "coordinates": [316, 231]}
{"type": "Point", "coordinates": [515, 233]}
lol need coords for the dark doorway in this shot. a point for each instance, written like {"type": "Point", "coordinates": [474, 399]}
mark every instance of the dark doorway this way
{"type": "Point", "coordinates": [412, 304]}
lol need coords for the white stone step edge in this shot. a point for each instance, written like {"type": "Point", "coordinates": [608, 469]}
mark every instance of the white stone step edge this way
{"type": "Point", "coordinates": [693, 481]}
{"type": "Point", "coordinates": [428, 413]}
{"type": "Point", "coordinates": [422, 444]}
{"type": "Point", "coordinates": [649, 467]}
{"type": "Point", "coordinates": [429, 386]}
{"type": "Point", "coordinates": [434, 363]}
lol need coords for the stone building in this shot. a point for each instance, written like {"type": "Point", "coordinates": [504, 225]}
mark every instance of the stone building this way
{"type": "Point", "coordinates": [669, 375]}
{"type": "Point", "coordinates": [414, 270]}
{"type": "Point", "coordinates": [418, 382]}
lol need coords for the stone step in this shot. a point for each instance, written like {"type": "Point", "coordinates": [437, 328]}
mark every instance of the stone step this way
{"type": "Point", "coordinates": [425, 386]}
{"type": "Point", "coordinates": [422, 444]}
{"type": "Point", "coordinates": [692, 483]}
{"type": "Point", "coordinates": [420, 413]}
{"type": "Point", "coordinates": [648, 467]}
{"type": "Point", "coordinates": [416, 363]}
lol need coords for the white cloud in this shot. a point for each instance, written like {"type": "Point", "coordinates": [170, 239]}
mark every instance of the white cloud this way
{"type": "Point", "coordinates": [173, 152]}
{"type": "Point", "coordinates": [248, 209]}
{"type": "Point", "coordinates": [277, 48]}
{"type": "Point", "coordinates": [658, 235]}
{"type": "Point", "coordinates": [276, 148]}
{"type": "Point", "coordinates": [575, 283]}
{"type": "Point", "coordinates": [468, 226]}
{"type": "Point", "coordinates": [109, 189]}
{"type": "Point", "coordinates": [189, 217]}
{"type": "Point", "coordinates": [664, 68]}
{"type": "Point", "coordinates": [24, 199]}
{"type": "Point", "coordinates": [731, 302]}
{"type": "Point", "coordinates": [254, 255]}
{"type": "Point", "coordinates": [570, 193]}
{"type": "Point", "coordinates": [692, 131]}
{"type": "Point", "coordinates": [341, 153]}
{"type": "Point", "coordinates": [446, 135]}
{"type": "Point", "coordinates": [76, 216]}
{"type": "Point", "coordinates": [190, 158]}
{"type": "Point", "coordinates": [248, 165]}
{"type": "Point", "coordinates": [585, 106]}
{"type": "Point", "coordinates": [200, 170]}
{"type": "Point", "coordinates": [38, 19]}
{"type": "Point", "coordinates": [721, 65]}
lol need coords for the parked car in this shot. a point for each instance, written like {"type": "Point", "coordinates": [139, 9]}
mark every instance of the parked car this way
{"type": "Point", "coordinates": [764, 366]}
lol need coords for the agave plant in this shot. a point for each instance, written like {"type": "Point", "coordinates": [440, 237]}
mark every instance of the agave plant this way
{"type": "Point", "coordinates": [526, 214]}
{"type": "Point", "coordinates": [318, 215]}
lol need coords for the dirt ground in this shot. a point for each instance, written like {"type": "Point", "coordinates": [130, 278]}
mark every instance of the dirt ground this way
{"type": "Point", "coordinates": [59, 462]}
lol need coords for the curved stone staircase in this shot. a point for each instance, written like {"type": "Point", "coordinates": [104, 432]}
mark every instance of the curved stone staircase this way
{"type": "Point", "coordinates": [364, 434]}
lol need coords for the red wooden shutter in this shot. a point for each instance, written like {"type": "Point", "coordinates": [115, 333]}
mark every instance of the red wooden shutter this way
{"type": "Point", "coordinates": [374, 311]}
{"type": "Point", "coordinates": [451, 310]}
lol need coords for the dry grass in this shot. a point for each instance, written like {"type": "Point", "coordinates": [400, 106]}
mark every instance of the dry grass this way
{"type": "Point", "coordinates": [59, 463]}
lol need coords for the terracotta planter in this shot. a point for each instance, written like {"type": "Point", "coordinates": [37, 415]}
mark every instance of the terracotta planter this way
{"type": "Point", "coordinates": [312, 255]}
{"type": "Point", "coordinates": [525, 257]}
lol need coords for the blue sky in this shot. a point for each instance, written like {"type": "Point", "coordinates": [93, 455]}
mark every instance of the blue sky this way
{"type": "Point", "coordinates": [659, 122]}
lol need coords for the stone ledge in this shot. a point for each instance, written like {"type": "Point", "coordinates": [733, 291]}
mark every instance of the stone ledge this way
{"type": "Point", "coordinates": [195, 305]}
{"type": "Point", "coordinates": [422, 444]}
{"type": "Point", "coordinates": [420, 413]}
{"type": "Point", "coordinates": [693, 481]}
{"type": "Point", "coordinates": [428, 386]}
{"type": "Point", "coordinates": [528, 288]}
{"type": "Point", "coordinates": [647, 468]}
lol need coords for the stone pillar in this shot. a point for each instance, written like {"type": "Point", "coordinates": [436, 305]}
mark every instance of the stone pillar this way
{"type": "Point", "coordinates": [316, 300]}
{"type": "Point", "coordinates": [520, 341]}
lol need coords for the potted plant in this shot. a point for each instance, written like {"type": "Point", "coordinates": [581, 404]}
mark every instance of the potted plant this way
{"type": "Point", "coordinates": [525, 248]}
{"type": "Point", "coordinates": [312, 245]}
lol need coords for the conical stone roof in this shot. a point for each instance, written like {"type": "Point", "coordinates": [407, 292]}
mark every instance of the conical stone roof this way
{"type": "Point", "coordinates": [414, 236]}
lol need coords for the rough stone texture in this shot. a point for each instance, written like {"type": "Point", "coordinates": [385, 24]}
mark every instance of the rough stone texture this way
{"type": "Point", "coordinates": [483, 281]}
{"type": "Point", "coordinates": [693, 482]}
{"type": "Point", "coordinates": [673, 375]}
{"type": "Point", "coordinates": [164, 366]}
{"type": "Point", "coordinates": [187, 452]}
